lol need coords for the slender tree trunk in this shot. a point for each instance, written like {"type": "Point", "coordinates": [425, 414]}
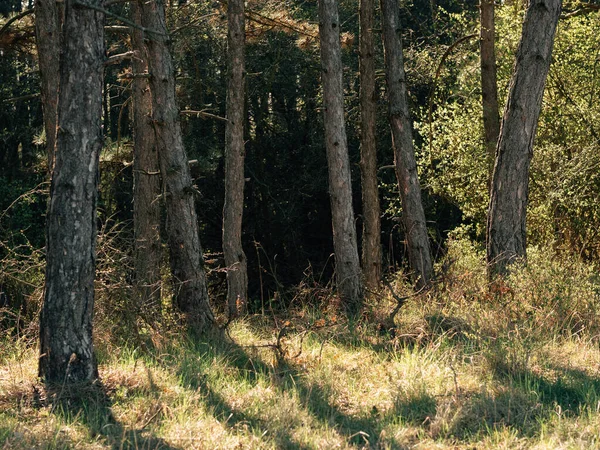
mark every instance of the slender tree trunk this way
{"type": "Point", "coordinates": [413, 216]}
{"type": "Point", "coordinates": [235, 259]}
{"type": "Point", "coordinates": [489, 83]}
{"type": "Point", "coordinates": [187, 263]}
{"type": "Point", "coordinates": [66, 319]}
{"type": "Point", "coordinates": [347, 264]}
{"type": "Point", "coordinates": [371, 241]}
{"type": "Point", "coordinates": [146, 178]}
{"type": "Point", "coordinates": [506, 233]}
{"type": "Point", "coordinates": [47, 30]}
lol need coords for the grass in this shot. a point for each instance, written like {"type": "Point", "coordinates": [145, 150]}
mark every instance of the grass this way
{"type": "Point", "coordinates": [463, 368]}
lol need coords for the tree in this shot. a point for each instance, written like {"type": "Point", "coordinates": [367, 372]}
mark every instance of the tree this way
{"type": "Point", "coordinates": [146, 176]}
{"type": "Point", "coordinates": [489, 83]}
{"type": "Point", "coordinates": [185, 251]}
{"type": "Point", "coordinates": [47, 30]}
{"type": "Point", "coordinates": [340, 185]}
{"type": "Point", "coordinates": [235, 258]}
{"type": "Point", "coordinates": [413, 215]}
{"type": "Point", "coordinates": [66, 320]}
{"type": "Point", "coordinates": [371, 241]}
{"type": "Point", "coordinates": [506, 230]}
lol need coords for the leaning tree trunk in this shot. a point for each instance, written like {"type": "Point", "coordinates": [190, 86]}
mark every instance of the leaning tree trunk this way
{"type": "Point", "coordinates": [347, 264]}
{"type": "Point", "coordinates": [235, 259]}
{"type": "Point", "coordinates": [66, 319]}
{"type": "Point", "coordinates": [47, 30]}
{"type": "Point", "coordinates": [506, 234]}
{"type": "Point", "coordinates": [371, 241]}
{"type": "Point", "coordinates": [146, 178]}
{"type": "Point", "coordinates": [187, 263]}
{"type": "Point", "coordinates": [489, 83]}
{"type": "Point", "coordinates": [413, 216]}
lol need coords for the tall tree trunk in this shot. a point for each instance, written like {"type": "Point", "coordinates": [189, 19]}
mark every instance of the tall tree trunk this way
{"type": "Point", "coordinates": [47, 30]}
{"type": "Point", "coordinates": [413, 216]}
{"type": "Point", "coordinates": [66, 319]}
{"type": "Point", "coordinates": [187, 263]}
{"type": "Point", "coordinates": [347, 264]}
{"type": "Point", "coordinates": [235, 259]}
{"type": "Point", "coordinates": [506, 233]}
{"type": "Point", "coordinates": [489, 83]}
{"type": "Point", "coordinates": [371, 240]}
{"type": "Point", "coordinates": [146, 178]}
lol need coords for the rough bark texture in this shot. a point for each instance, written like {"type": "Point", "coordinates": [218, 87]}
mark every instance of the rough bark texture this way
{"type": "Point", "coordinates": [66, 319]}
{"type": "Point", "coordinates": [371, 239]}
{"type": "Point", "coordinates": [489, 83]}
{"type": "Point", "coordinates": [146, 178]}
{"type": "Point", "coordinates": [413, 216]}
{"type": "Point", "coordinates": [347, 264]}
{"type": "Point", "coordinates": [235, 259]}
{"type": "Point", "coordinates": [187, 263]}
{"type": "Point", "coordinates": [47, 30]}
{"type": "Point", "coordinates": [506, 236]}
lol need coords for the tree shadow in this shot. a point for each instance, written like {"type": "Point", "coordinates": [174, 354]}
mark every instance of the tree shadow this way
{"type": "Point", "coordinates": [90, 405]}
{"type": "Point", "coordinates": [316, 399]}
{"type": "Point", "coordinates": [525, 400]}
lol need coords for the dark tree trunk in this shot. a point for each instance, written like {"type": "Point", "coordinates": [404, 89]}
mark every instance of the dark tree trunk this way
{"type": "Point", "coordinates": [347, 264]}
{"type": "Point", "coordinates": [371, 240]}
{"type": "Point", "coordinates": [235, 259]}
{"type": "Point", "coordinates": [146, 178]}
{"type": "Point", "coordinates": [66, 319]}
{"type": "Point", "coordinates": [187, 263]}
{"type": "Point", "coordinates": [413, 216]}
{"type": "Point", "coordinates": [47, 30]}
{"type": "Point", "coordinates": [489, 83]}
{"type": "Point", "coordinates": [506, 234]}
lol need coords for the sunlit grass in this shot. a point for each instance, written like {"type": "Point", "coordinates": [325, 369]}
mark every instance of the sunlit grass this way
{"type": "Point", "coordinates": [461, 369]}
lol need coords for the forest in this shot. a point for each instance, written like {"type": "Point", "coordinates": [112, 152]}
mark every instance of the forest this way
{"type": "Point", "coordinates": [299, 224]}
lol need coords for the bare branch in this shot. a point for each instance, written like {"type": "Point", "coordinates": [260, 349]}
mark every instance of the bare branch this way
{"type": "Point", "coordinates": [202, 114]}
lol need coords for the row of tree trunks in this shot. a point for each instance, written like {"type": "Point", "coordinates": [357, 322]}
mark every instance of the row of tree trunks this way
{"type": "Point", "coordinates": [233, 209]}
{"type": "Point", "coordinates": [186, 256]}
{"type": "Point", "coordinates": [506, 234]}
{"type": "Point", "coordinates": [48, 30]}
{"type": "Point", "coordinates": [66, 320]}
{"type": "Point", "coordinates": [146, 178]}
{"type": "Point", "coordinates": [371, 240]}
{"type": "Point", "coordinates": [413, 215]}
{"type": "Point", "coordinates": [347, 264]}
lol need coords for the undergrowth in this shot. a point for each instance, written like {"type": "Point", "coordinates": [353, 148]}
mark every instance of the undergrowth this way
{"type": "Point", "coordinates": [466, 365]}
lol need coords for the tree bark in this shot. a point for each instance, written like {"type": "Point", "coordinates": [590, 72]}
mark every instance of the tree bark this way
{"type": "Point", "coordinates": [235, 259]}
{"type": "Point", "coordinates": [371, 240]}
{"type": "Point", "coordinates": [187, 263]}
{"type": "Point", "coordinates": [506, 231]}
{"type": "Point", "coordinates": [146, 178]}
{"type": "Point", "coordinates": [489, 83]}
{"type": "Point", "coordinates": [47, 30]}
{"type": "Point", "coordinates": [413, 215]}
{"type": "Point", "coordinates": [66, 320]}
{"type": "Point", "coordinates": [347, 264]}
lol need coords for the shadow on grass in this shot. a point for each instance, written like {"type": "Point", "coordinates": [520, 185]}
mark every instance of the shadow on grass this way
{"type": "Point", "coordinates": [316, 399]}
{"type": "Point", "coordinates": [523, 401]}
{"type": "Point", "coordinates": [88, 405]}
{"type": "Point", "coordinates": [520, 400]}
{"type": "Point", "coordinates": [91, 406]}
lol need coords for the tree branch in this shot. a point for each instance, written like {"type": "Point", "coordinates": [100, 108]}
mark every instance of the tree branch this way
{"type": "Point", "coordinates": [202, 114]}
{"type": "Point", "coordinates": [13, 19]}
{"type": "Point", "coordinates": [119, 18]}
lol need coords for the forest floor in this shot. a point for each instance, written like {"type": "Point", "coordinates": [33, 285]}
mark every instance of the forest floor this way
{"type": "Point", "coordinates": [465, 366]}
